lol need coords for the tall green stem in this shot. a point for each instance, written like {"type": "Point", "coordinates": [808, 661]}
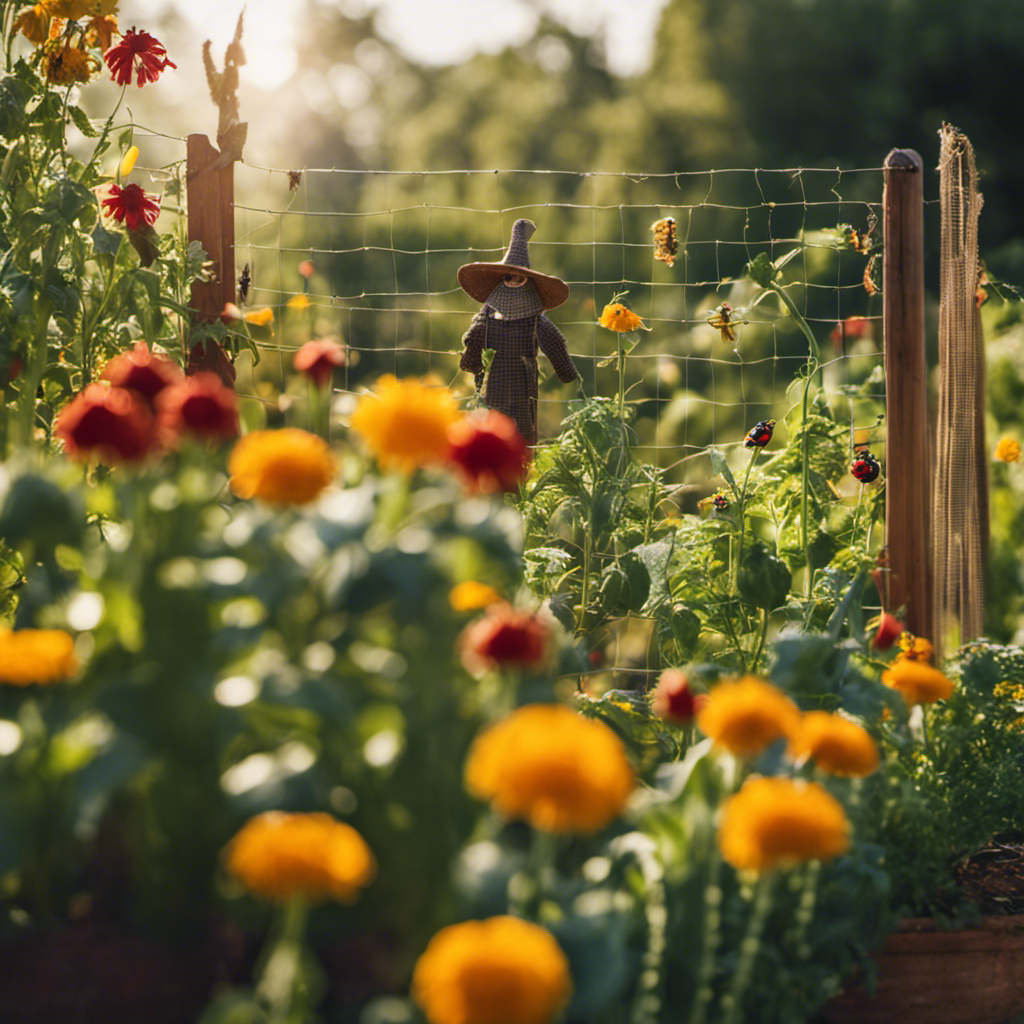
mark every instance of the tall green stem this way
{"type": "Point", "coordinates": [813, 360]}
{"type": "Point", "coordinates": [765, 615]}
{"type": "Point", "coordinates": [743, 522]}
{"type": "Point", "coordinates": [711, 929]}
{"type": "Point", "coordinates": [732, 1001]}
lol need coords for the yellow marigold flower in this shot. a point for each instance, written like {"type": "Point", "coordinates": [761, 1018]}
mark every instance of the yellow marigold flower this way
{"type": "Point", "coordinates": [774, 823]}
{"type": "Point", "coordinates": [919, 683]}
{"type": "Point", "coordinates": [746, 715]}
{"type": "Point", "coordinates": [299, 303]}
{"type": "Point", "coordinates": [500, 971]}
{"type": "Point", "coordinates": [915, 648]}
{"type": "Point", "coordinates": [64, 64]}
{"type": "Point", "coordinates": [259, 317]}
{"type": "Point", "coordinates": [471, 595]}
{"type": "Point", "coordinates": [405, 423]}
{"type": "Point", "coordinates": [128, 161]}
{"type": "Point", "coordinates": [837, 745]}
{"type": "Point", "coordinates": [617, 317]}
{"type": "Point", "coordinates": [1007, 450]}
{"type": "Point", "coordinates": [547, 765]}
{"type": "Point", "coordinates": [36, 656]}
{"type": "Point", "coordinates": [34, 24]}
{"type": "Point", "coordinates": [308, 856]}
{"type": "Point", "coordinates": [286, 467]}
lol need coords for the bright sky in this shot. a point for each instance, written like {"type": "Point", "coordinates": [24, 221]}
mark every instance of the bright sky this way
{"type": "Point", "coordinates": [433, 31]}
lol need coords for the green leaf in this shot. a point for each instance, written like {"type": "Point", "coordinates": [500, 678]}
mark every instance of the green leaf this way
{"type": "Point", "coordinates": [14, 97]}
{"type": "Point", "coordinates": [639, 580]}
{"type": "Point", "coordinates": [720, 466]}
{"type": "Point", "coordinates": [763, 580]}
{"type": "Point", "coordinates": [104, 242]}
{"type": "Point", "coordinates": [761, 270]}
{"type": "Point", "coordinates": [82, 122]}
{"type": "Point", "coordinates": [124, 140]}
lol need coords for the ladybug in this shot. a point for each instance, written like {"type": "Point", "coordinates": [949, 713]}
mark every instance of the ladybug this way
{"type": "Point", "coordinates": [760, 434]}
{"type": "Point", "coordinates": [866, 468]}
{"type": "Point", "coordinates": [721, 503]}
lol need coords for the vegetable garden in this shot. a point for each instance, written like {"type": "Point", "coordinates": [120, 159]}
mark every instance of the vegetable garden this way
{"type": "Point", "coordinates": [325, 696]}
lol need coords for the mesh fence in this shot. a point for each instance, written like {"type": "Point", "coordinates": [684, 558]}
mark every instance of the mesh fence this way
{"type": "Point", "coordinates": [383, 249]}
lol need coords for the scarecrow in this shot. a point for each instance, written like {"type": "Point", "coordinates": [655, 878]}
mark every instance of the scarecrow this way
{"type": "Point", "coordinates": [512, 323]}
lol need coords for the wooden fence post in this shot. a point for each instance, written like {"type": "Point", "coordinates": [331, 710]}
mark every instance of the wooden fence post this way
{"type": "Point", "coordinates": [908, 452]}
{"type": "Point", "coordinates": [211, 221]}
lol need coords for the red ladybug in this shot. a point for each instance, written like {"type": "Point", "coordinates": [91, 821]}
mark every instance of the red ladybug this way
{"type": "Point", "coordinates": [866, 468]}
{"type": "Point", "coordinates": [721, 503]}
{"type": "Point", "coordinates": [760, 434]}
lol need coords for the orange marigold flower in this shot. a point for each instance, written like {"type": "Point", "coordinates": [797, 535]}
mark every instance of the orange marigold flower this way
{"type": "Point", "coordinates": [405, 422]}
{"type": "Point", "coordinates": [34, 24]}
{"type": "Point", "coordinates": [746, 715]}
{"type": "Point", "coordinates": [306, 856]}
{"type": "Point", "coordinates": [39, 656]}
{"type": "Point", "coordinates": [199, 406]}
{"type": "Point", "coordinates": [142, 371]}
{"type": "Point", "coordinates": [915, 648]}
{"type": "Point", "coordinates": [917, 681]}
{"type": "Point", "coordinates": [471, 596]}
{"type": "Point", "coordinates": [285, 467]}
{"type": "Point", "coordinates": [64, 64]}
{"type": "Point", "coordinates": [549, 766]}
{"type": "Point", "coordinates": [300, 303]}
{"type": "Point", "coordinates": [773, 823]}
{"type": "Point", "coordinates": [113, 424]}
{"type": "Point", "coordinates": [617, 317]}
{"type": "Point", "coordinates": [139, 52]}
{"type": "Point", "coordinates": [1007, 450]}
{"type": "Point", "coordinates": [129, 203]}
{"type": "Point", "coordinates": [318, 359]}
{"type": "Point", "coordinates": [504, 636]}
{"type": "Point", "coordinates": [674, 700]}
{"type": "Point", "coordinates": [488, 451]}
{"type": "Point", "coordinates": [837, 745]}
{"type": "Point", "coordinates": [499, 971]}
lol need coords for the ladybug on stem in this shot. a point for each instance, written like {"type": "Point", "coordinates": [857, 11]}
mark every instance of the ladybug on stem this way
{"type": "Point", "coordinates": [721, 503]}
{"type": "Point", "coordinates": [760, 434]}
{"type": "Point", "coordinates": [865, 467]}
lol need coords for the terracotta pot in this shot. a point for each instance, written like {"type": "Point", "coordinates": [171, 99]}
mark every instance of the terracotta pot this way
{"type": "Point", "coordinates": [927, 976]}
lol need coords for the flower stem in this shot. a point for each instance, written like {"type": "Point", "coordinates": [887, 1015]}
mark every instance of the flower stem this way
{"type": "Point", "coordinates": [732, 1001]}
{"type": "Point", "coordinates": [743, 522]}
{"type": "Point", "coordinates": [711, 934]}
{"type": "Point", "coordinates": [765, 615]}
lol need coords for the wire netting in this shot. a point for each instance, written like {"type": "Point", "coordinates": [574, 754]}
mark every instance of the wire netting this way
{"type": "Point", "coordinates": [384, 248]}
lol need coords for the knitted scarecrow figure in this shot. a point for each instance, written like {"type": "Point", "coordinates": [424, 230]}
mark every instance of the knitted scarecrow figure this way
{"type": "Point", "coordinates": [513, 324]}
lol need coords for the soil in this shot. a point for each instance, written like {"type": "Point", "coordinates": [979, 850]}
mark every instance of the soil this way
{"type": "Point", "coordinates": [993, 879]}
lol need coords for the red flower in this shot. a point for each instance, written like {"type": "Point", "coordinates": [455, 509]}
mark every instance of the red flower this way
{"type": "Point", "coordinates": [853, 328]}
{"type": "Point", "coordinates": [504, 636]}
{"type": "Point", "coordinates": [488, 451]}
{"type": "Point", "coordinates": [317, 360]}
{"type": "Point", "coordinates": [674, 700]}
{"type": "Point", "coordinates": [889, 630]}
{"type": "Point", "coordinates": [200, 406]}
{"type": "Point", "coordinates": [141, 371]}
{"type": "Point", "coordinates": [112, 423]}
{"type": "Point", "coordinates": [130, 204]}
{"type": "Point", "coordinates": [137, 50]}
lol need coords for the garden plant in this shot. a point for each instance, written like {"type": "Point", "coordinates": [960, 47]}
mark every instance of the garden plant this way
{"type": "Point", "coordinates": [357, 708]}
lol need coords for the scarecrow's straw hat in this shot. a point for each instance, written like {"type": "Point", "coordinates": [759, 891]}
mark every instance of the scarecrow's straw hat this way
{"type": "Point", "coordinates": [480, 279]}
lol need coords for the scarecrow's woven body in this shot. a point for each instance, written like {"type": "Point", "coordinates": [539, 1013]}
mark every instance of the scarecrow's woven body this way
{"type": "Point", "coordinates": [511, 385]}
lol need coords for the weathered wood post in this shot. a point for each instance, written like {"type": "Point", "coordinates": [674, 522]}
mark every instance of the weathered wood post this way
{"type": "Point", "coordinates": [908, 531]}
{"type": "Point", "coordinates": [211, 221]}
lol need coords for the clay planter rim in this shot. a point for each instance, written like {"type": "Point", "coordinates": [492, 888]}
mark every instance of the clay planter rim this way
{"type": "Point", "coordinates": [929, 976]}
